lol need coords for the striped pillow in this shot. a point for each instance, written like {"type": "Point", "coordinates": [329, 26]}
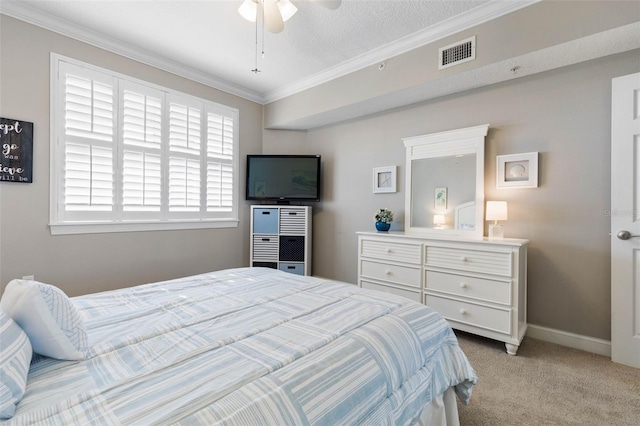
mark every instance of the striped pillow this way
{"type": "Point", "coordinates": [15, 356]}
{"type": "Point", "coordinates": [47, 315]}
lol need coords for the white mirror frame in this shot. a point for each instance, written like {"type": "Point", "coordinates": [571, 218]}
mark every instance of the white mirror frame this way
{"type": "Point", "coordinates": [445, 144]}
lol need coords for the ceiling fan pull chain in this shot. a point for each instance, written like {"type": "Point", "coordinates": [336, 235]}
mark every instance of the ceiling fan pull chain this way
{"type": "Point", "coordinates": [256, 70]}
{"type": "Point", "coordinates": [262, 33]}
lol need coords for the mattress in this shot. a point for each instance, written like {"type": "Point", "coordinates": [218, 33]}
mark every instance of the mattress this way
{"type": "Point", "coordinates": [249, 346]}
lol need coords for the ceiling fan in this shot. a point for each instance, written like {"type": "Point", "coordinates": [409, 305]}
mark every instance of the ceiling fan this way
{"type": "Point", "coordinates": [276, 12]}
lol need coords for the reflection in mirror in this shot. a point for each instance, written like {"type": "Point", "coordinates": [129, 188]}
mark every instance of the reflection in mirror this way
{"type": "Point", "coordinates": [445, 182]}
{"type": "Point", "coordinates": [457, 176]}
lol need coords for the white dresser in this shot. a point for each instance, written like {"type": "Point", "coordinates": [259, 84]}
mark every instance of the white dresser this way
{"type": "Point", "coordinates": [478, 285]}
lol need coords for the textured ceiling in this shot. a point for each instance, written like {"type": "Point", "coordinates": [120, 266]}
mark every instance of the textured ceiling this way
{"type": "Point", "coordinates": [210, 38]}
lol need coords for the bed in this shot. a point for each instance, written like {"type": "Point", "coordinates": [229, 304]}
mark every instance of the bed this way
{"type": "Point", "coordinates": [233, 347]}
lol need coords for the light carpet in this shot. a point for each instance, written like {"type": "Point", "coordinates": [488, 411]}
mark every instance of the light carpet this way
{"type": "Point", "coordinates": [547, 384]}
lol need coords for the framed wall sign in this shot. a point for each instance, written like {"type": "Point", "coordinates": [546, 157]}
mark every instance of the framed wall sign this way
{"type": "Point", "coordinates": [517, 170]}
{"type": "Point", "coordinates": [384, 179]}
{"type": "Point", "coordinates": [16, 154]}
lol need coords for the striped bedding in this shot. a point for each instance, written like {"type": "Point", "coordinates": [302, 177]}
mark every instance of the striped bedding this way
{"type": "Point", "coordinates": [249, 346]}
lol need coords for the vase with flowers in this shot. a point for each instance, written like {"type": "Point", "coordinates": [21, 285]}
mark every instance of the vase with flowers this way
{"type": "Point", "coordinates": [383, 218]}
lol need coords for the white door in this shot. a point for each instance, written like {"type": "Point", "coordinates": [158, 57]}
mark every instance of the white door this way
{"type": "Point", "coordinates": [625, 220]}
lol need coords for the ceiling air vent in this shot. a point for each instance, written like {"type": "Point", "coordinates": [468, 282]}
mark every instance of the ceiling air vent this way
{"type": "Point", "coordinates": [457, 53]}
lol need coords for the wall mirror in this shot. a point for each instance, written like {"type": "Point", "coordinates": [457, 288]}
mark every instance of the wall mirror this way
{"type": "Point", "coordinates": [445, 182]}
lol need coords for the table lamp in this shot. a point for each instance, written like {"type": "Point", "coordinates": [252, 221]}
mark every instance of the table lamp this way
{"type": "Point", "coordinates": [496, 210]}
{"type": "Point", "coordinates": [438, 221]}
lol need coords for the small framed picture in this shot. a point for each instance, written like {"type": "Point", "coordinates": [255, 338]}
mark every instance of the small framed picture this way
{"type": "Point", "coordinates": [384, 179]}
{"type": "Point", "coordinates": [517, 170]}
{"type": "Point", "coordinates": [440, 198]}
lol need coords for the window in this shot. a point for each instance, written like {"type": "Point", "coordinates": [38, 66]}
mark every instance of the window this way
{"type": "Point", "coordinates": [128, 155]}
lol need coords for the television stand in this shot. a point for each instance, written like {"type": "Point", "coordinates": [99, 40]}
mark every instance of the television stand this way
{"type": "Point", "coordinates": [281, 238]}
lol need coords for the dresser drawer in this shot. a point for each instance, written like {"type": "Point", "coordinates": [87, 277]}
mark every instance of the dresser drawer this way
{"type": "Point", "coordinates": [494, 319]}
{"type": "Point", "coordinates": [399, 252]}
{"type": "Point", "coordinates": [476, 288]}
{"type": "Point", "coordinates": [391, 273]}
{"type": "Point", "coordinates": [486, 262]}
{"type": "Point", "coordinates": [409, 294]}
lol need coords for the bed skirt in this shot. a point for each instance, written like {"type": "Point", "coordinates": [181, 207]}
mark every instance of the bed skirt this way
{"type": "Point", "coordinates": [442, 411]}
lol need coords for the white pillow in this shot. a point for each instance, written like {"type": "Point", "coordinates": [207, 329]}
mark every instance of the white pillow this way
{"type": "Point", "coordinates": [46, 314]}
{"type": "Point", "coordinates": [15, 356]}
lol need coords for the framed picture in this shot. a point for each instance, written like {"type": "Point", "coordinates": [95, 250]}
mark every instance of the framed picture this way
{"type": "Point", "coordinates": [16, 154]}
{"type": "Point", "coordinates": [517, 170]}
{"type": "Point", "coordinates": [440, 198]}
{"type": "Point", "coordinates": [384, 179]}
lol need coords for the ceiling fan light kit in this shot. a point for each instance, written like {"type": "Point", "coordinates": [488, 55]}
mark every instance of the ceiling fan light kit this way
{"type": "Point", "coordinates": [274, 14]}
{"type": "Point", "coordinates": [248, 10]}
{"type": "Point", "coordinates": [277, 12]}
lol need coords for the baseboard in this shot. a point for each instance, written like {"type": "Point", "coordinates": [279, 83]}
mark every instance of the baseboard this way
{"type": "Point", "coordinates": [576, 341]}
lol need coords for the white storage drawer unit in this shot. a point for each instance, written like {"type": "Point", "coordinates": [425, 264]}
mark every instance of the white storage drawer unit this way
{"type": "Point", "coordinates": [478, 285]}
{"type": "Point", "coordinates": [281, 238]}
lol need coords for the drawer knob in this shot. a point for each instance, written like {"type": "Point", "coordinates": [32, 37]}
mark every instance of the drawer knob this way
{"type": "Point", "coordinates": [389, 250]}
{"type": "Point", "coordinates": [387, 272]}
{"type": "Point", "coordinates": [464, 258]}
{"type": "Point", "coordinates": [463, 285]}
{"type": "Point", "coordinates": [463, 311]}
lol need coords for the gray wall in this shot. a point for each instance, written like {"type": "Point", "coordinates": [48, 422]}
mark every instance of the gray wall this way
{"type": "Point", "coordinates": [88, 263]}
{"type": "Point", "coordinates": [564, 114]}
{"type": "Point", "coordinates": [501, 43]}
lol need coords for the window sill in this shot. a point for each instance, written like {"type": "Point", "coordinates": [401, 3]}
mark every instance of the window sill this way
{"type": "Point", "coordinates": [104, 227]}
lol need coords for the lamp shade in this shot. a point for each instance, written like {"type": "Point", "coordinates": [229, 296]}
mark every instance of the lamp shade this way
{"type": "Point", "coordinates": [438, 219]}
{"type": "Point", "coordinates": [497, 210]}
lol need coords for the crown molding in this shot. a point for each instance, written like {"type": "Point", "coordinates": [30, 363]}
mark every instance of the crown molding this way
{"type": "Point", "coordinates": [483, 13]}
{"type": "Point", "coordinates": [33, 16]}
{"type": "Point", "coordinates": [476, 16]}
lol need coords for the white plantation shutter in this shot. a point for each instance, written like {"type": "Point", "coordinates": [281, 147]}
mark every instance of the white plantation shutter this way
{"type": "Point", "coordinates": [88, 143]}
{"type": "Point", "coordinates": [219, 187]}
{"type": "Point", "coordinates": [220, 161]}
{"type": "Point", "coordinates": [185, 131]}
{"type": "Point", "coordinates": [185, 134]}
{"type": "Point", "coordinates": [184, 185]}
{"type": "Point", "coordinates": [129, 155]}
{"type": "Point", "coordinates": [141, 182]}
{"type": "Point", "coordinates": [88, 107]}
{"type": "Point", "coordinates": [88, 178]}
{"type": "Point", "coordinates": [142, 142]}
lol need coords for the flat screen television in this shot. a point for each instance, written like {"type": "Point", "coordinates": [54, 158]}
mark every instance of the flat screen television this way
{"type": "Point", "coordinates": [283, 178]}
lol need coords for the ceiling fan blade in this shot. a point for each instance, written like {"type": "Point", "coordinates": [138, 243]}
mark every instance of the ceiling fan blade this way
{"type": "Point", "coordinates": [272, 16]}
{"type": "Point", "coordinates": [329, 4]}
